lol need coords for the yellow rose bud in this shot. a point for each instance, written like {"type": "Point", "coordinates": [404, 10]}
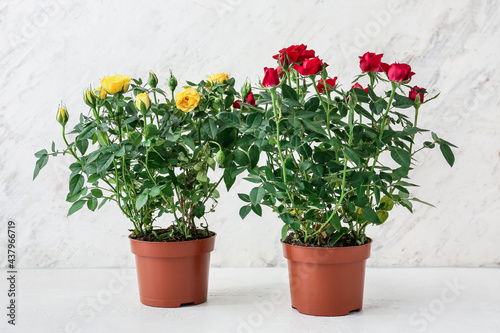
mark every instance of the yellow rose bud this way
{"type": "Point", "coordinates": [172, 82]}
{"type": "Point", "coordinates": [153, 79]}
{"type": "Point", "coordinates": [245, 90]}
{"type": "Point", "coordinates": [115, 84]}
{"type": "Point", "coordinates": [142, 102]}
{"type": "Point", "coordinates": [62, 115]}
{"type": "Point", "coordinates": [187, 100]}
{"type": "Point", "coordinates": [100, 92]}
{"type": "Point", "coordinates": [89, 97]}
{"type": "Point", "coordinates": [218, 78]}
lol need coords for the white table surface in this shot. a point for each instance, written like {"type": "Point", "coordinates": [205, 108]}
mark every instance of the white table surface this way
{"type": "Point", "coordinates": [254, 300]}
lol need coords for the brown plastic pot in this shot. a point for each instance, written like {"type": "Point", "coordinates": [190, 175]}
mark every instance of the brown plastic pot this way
{"type": "Point", "coordinates": [326, 281]}
{"type": "Point", "coordinates": [171, 274]}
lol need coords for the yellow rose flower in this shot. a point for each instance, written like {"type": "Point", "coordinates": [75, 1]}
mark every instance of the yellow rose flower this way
{"type": "Point", "coordinates": [62, 115]}
{"type": "Point", "coordinates": [142, 102]}
{"type": "Point", "coordinates": [219, 78]}
{"type": "Point", "coordinates": [115, 84]}
{"type": "Point", "coordinates": [187, 100]}
{"type": "Point", "coordinates": [100, 92]}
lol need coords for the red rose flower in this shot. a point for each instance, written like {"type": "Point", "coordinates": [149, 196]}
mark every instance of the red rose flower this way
{"type": "Point", "coordinates": [384, 67]}
{"type": "Point", "coordinates": [271, 78]}
{"type": "Point", "coordinates": [329, 82]}
{"type": "Point", "coordinates": [357, 85]}
{"type": "Point", "coordinates": [370, 62]}
{"type": "Point", "coordinates": [399, 73]}
{"type": "Point", "coordinates": [310, 66]}
{"type": "Point", "coordinates": [293, 54]}
{"type": "Point", "coordinates": [414, 92]}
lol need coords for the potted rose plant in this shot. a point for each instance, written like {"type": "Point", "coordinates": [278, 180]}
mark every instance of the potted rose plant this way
{"type": "Point", "coordinates": [338, 160]}
{"type": "Point", "coordinates": [153, 153]}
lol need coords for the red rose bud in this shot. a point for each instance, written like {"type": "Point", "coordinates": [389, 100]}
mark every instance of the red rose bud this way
{"type": "Point", "coordinates": [399, 73]}
{"type": "Point", "coordinates": [329, 82]}
{"type": "Point", "coordinates": [370, 62]}
{"type": "Point", "coordinates": [250, 99]}
{"type": "Point", "coordinates": [415, 95]}
{"type": "Point", "coordinates": [310, 66]}
{"type": "Point", "coordinates": [357, 85]}
{"type": "Point", "coordinates": [237, 104]}
{"type": "Point", "coordinates": [293, 54]}
{"type": "Point", "coordinates": [271, 78]}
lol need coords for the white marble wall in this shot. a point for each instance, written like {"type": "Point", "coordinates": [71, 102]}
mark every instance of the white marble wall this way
{"type": "Point", "coordinates": [51, 49]}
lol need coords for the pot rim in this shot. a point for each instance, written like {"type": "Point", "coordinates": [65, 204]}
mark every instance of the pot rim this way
{"type": "Point", "coordinates": [172, 249]}
{"type": "Point", "coordinates": [329, 247]}
{"type": "Point", "coordinates": [176, 242]}
{"type": "Point", "coordinates": [326, 255]}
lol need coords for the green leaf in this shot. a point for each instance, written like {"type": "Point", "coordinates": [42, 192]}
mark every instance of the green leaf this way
{"type": "Point", "coordinates": [335, 222]}
{"type": "Point", "coordinates": [317, 170]}
{"type": "Point", "coordinates": [306, 165]}
{"type": "Point", "coordinates": [141, 200]}
{"type": "Point", "coordinates": [104, 162]}
{"type": "Point", "coordinates": [93, 156]}
{"type": "Point", "coordinates": [370, 215]}
{"type": "Point", "coordinates": [447, 153]}
{"type": "Point", "coordinates": [244, 211]}
{"type": "Point", "coordinates": [40, 163]}
{"type": "Point", "coordinates": [155, 190]}
{"type": "Point", "coordinates": [314, 126]}
{"type": "Point", "coordinates": [41, 153]}
{"type": "Point", "coordinates": [402, 102]}
{"type": "Point", "coordinates": [424, 202]}
{"type": "Point", "coordinates": [257, 194]}
{"type": "Point", "coordinates": [229, 179]}
{"type": "Point", "coordinates": [135, 138]}
{"type": "Point", "coordinates": [213, 128]}
{"type": "Point", "coordinates": [92, 204]}
{"type": "Point", "coordinates": [82, 145]}
{"type": "Point", "coordinates": [229, 118]}
{"type": "Point", "coordinates": [288, 92]}
{"type": "Point", "coordinates": [257, 209]}
{"type": "Point", "coordinates": [254, 154]}
{"type": "Point", "coordinates": [96, 192]}
{"type": "Point", "coordinates": [76, 206]}
{"type": "Point", "coordinates": [253, 180]}
{"type": "Point", "coordinates": [244, 197]}
{"type": "Point", "coordinates": [284, 232]}
{"type": "Point", "coordinates": [76, 184]}
{"type": "Point", "coordinates": [352, 155]}
{"type": "Point", "coordinates": [312, 104]}
{"type": "Point", "coordinates": [401, 156]}
{"type": "Point", "coordinates": [87, 133]}
{"type": "Point", "coordinates": [254, 120]}
{"type": "Point", "coordinates": [240, 157]}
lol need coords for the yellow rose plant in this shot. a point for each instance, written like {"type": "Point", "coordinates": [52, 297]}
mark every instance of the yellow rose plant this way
{"type": "Point", "coordinates": [151, 154]}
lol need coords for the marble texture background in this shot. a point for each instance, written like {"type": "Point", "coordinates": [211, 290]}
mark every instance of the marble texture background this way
{"type": "Point", "coordinates": [51, 49]}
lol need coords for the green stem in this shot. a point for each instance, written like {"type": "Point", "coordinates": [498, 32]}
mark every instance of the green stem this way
{"type": "Point", "coordinates": [414, 125]}
{"type": "Point", "coordinates": [278, 120]}
{"type": "Point", "coordinates": [382, 124]}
